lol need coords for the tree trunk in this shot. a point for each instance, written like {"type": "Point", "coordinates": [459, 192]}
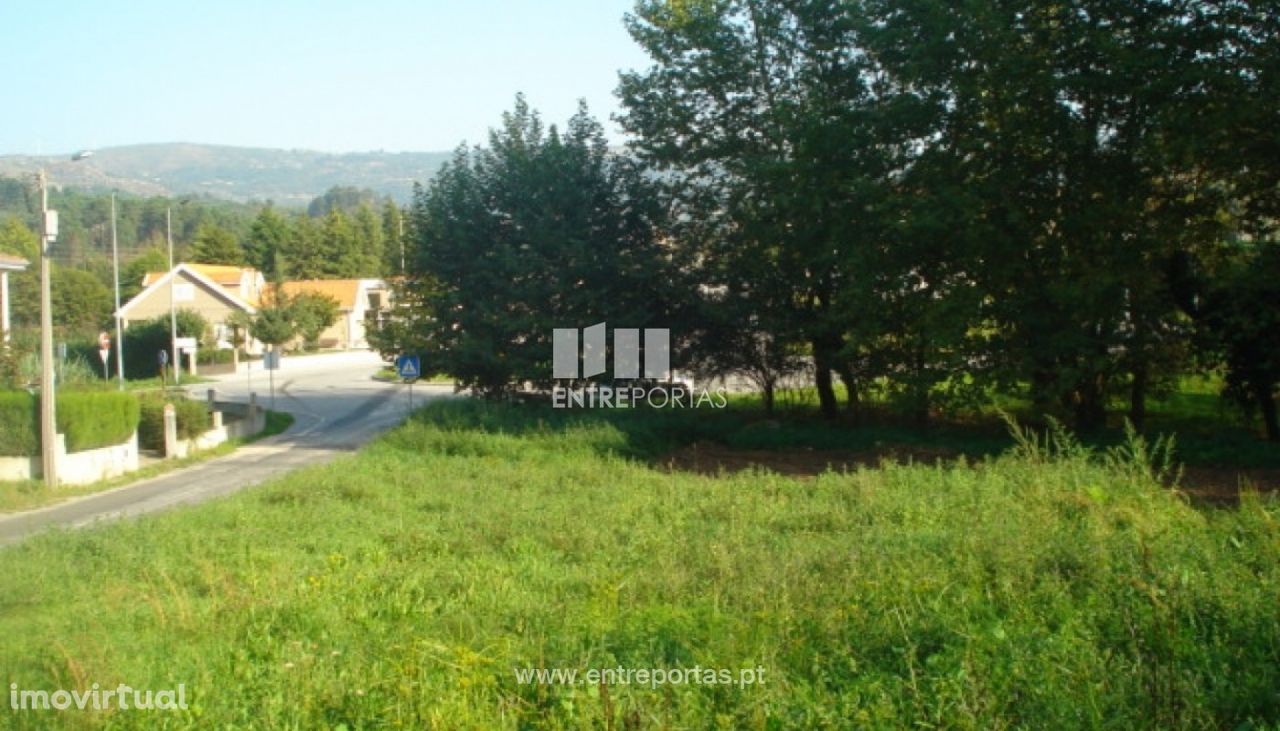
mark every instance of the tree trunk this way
{"type": "Point", "coordinates": [920, 407]}
{"type": "Point", "coordinates": [1138, 395]}
{"type": "Point", "coordinates": [1268, 404]}
{"type": "Point", "coordinates": [767, 393]}
{"type": "Point", "coordinates": [1091, 409]}
{"type": "Point", "coordinates": [822, 379]}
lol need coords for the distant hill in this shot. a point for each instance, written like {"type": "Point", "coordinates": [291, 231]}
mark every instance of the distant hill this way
{"type": "Point", "coordinates": [288, 177]}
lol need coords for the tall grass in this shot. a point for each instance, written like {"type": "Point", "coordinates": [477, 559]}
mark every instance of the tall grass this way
{"type": "Point", "coordinates": [1052, 587]}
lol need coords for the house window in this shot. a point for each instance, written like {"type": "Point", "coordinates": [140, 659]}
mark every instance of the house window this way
{"type": "Point", "coordinates": [184, 292]}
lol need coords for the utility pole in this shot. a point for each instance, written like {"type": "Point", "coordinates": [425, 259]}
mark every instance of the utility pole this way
{"type": "Point", "coordinates": [115, 267]}
{"type": "Point", "coordinates": [48, 413]}
{"type": "Point", "coordinates": [176, 362]}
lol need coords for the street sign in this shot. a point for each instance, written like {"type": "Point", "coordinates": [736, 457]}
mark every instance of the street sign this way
{"type": "Point", "coordinates": [185, 343]}
{"type": "Point", "coordinates": [104, 352]}
{"type": "Point", "coordinates": [409, 367]}
{"type": "Point", "coordinates": [271, 360]}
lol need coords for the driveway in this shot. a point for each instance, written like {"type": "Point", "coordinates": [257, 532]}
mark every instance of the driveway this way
{"type": "Point", "coordinates": [337, 407]}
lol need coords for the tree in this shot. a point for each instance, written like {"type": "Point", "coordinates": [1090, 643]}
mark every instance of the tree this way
{"type": "Point", "coordinates": [273, 323]}
{"type": "Point", "coordinates": [267, 236]}
{"type": "Point", "coordinates": [346, 199]}
{"type": "Point", "coordinates": [134, 272]}
{"type": "Point", "coordinates": [144, 341]}
{"type": "Point", "coordinates": [216, 245]}
{"type": "Point", "coordinates": [393, 234]}
{"type": "Point", "coordinates": [312, 313]}
{"type": "Point", "coordinates": [18, 240]}
{"type": "Point", "coordinates": [766, 108]}
{"type": "Point", "coordinates": [538, 230]}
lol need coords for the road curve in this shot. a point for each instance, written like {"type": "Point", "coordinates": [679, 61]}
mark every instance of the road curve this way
{"type": "Point", "coordinates": [336, 404]}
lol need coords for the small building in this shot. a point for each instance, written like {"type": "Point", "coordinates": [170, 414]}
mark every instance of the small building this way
{"type": "Point", "coordinates": [215, 292]}
{"type": "Point", "coordinates": [358, 299]}
{"type": "Point", "coordinates": [7, 264]}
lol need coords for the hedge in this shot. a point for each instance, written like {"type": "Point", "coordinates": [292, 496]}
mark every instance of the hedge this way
{"type": "Point", "coordinates": [89, 420]}
{"type": "Point", "coordinates": [193, 420]}
{"type": "Point", "coordinates": [19, 424]}
{"type": "Point", "coordinates": [93, 420]}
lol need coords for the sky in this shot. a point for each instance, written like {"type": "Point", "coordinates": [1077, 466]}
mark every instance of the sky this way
{"type": "Point", "coordinates": [394, 75]}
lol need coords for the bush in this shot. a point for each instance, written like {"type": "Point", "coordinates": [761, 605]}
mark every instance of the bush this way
{"type": "Point", "coordinates": [89, 421]}
{"type": "Point", "coordinates": [93, 420]}
{"type": "Point", "coordinates": [193, 419]}
{"type": "Point", "coordinates": [144, 340]}
{"type": "Point", "coordinates": [19, 424]}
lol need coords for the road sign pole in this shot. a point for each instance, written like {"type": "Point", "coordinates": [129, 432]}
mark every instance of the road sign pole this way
{"type": "Point", "coordinates": [271, 377]}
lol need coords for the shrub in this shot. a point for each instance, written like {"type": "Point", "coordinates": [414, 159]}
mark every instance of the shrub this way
{"type": "Point", "coordinates": [91, 420]}
{"type": "Point", "coordinates": [193, 419]}
{"type": "Point", "coordinates": [144, 340]}
{"type": "Point", "coordinates": [19, 424]}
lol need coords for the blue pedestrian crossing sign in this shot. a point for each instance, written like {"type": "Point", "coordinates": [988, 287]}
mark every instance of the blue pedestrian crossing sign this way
{"type": "Point", "coordinates": [409, 367]}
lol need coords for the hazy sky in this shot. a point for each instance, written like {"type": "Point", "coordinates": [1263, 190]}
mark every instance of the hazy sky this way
{"type": "Point", "coordinates": [382, 74]}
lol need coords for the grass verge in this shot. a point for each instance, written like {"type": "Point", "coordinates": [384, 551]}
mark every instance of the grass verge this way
{"type": "Point", "coordinates": [1048, 587]}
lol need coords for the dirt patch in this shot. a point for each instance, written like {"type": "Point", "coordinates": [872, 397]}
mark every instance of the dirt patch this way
{"type": "Point", "coordinates": [1222, 485]}
{"type": "Point", "coordinates": [708, 458]}
{"type": "Point", "coordinates": [1205, 485]}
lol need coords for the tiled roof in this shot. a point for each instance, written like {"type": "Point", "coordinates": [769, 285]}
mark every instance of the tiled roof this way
{"type": "Point", "coordinates": [227, 276]}
{"type": "Point", "coordinates": [345, 291]}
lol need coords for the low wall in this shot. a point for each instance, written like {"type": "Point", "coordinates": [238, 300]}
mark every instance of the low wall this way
{"type": "Point", "coordinates": [77, 468]}
{"type": "Point", "coordinates": [246, 420]}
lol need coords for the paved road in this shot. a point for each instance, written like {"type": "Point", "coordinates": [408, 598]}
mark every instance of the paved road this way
{"type": "Point", "coordinates": [337, 407]}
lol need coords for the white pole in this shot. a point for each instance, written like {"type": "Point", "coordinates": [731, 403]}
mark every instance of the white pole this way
{"type": "Point", "coordinates": [115, 266]}
{"type": "Point", "coordinates": [4, 304]}
{"type": "Point", "coordinates": [175, 363]}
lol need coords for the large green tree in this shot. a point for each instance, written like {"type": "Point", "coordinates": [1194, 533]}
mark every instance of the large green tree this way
{"type": "Point", "coordinates": [539, 229]}
{"type": "Point", "coordinates": [216, 245]}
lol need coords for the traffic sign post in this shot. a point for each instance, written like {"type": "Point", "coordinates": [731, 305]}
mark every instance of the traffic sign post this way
{"type": "Point", "coordinates": [410, 369]}
{"type": "Point", "coordinates": [271, 361]}
{"type": "Point", "coordinates": [104, 352]}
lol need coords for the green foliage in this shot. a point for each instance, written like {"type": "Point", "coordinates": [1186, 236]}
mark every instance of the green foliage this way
{"type": "Point", "coordinates": [192, 419]}
{"type": "Point", "coordinates": [273, 323]}
{"type": "Point", "coordinates": [88, 419]}
{"type": "Point", "coordinates": [135, 271]}
{"type": "Point", "coordinates": [312, 313]}
{"type": "Point", "coordinates": [19, 240]}
{"type": "Point", "coordinates": [267, 236]}
{"type": "Point", "coordinates": [144, 340]}
{"type": "Point", "coordinates": [945, 197]}
{"type": "Point", "coordinates": [96, 419]}
{"type": "Point", "coordinates": [216, 245]}
{"type": "Point", "coordinates": [528, 234]}
{"type": "Point", "coordinates": [19, 424]}
{"type": "Point", "coordinates": [928, 595]}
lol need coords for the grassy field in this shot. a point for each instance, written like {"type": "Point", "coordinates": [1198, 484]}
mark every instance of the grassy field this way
{"type": "Point", "coordinates": [405, 586]}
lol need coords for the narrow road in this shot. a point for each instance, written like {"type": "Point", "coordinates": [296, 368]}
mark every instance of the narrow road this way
{"type": "Point", "coordinates": [337, 407]}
